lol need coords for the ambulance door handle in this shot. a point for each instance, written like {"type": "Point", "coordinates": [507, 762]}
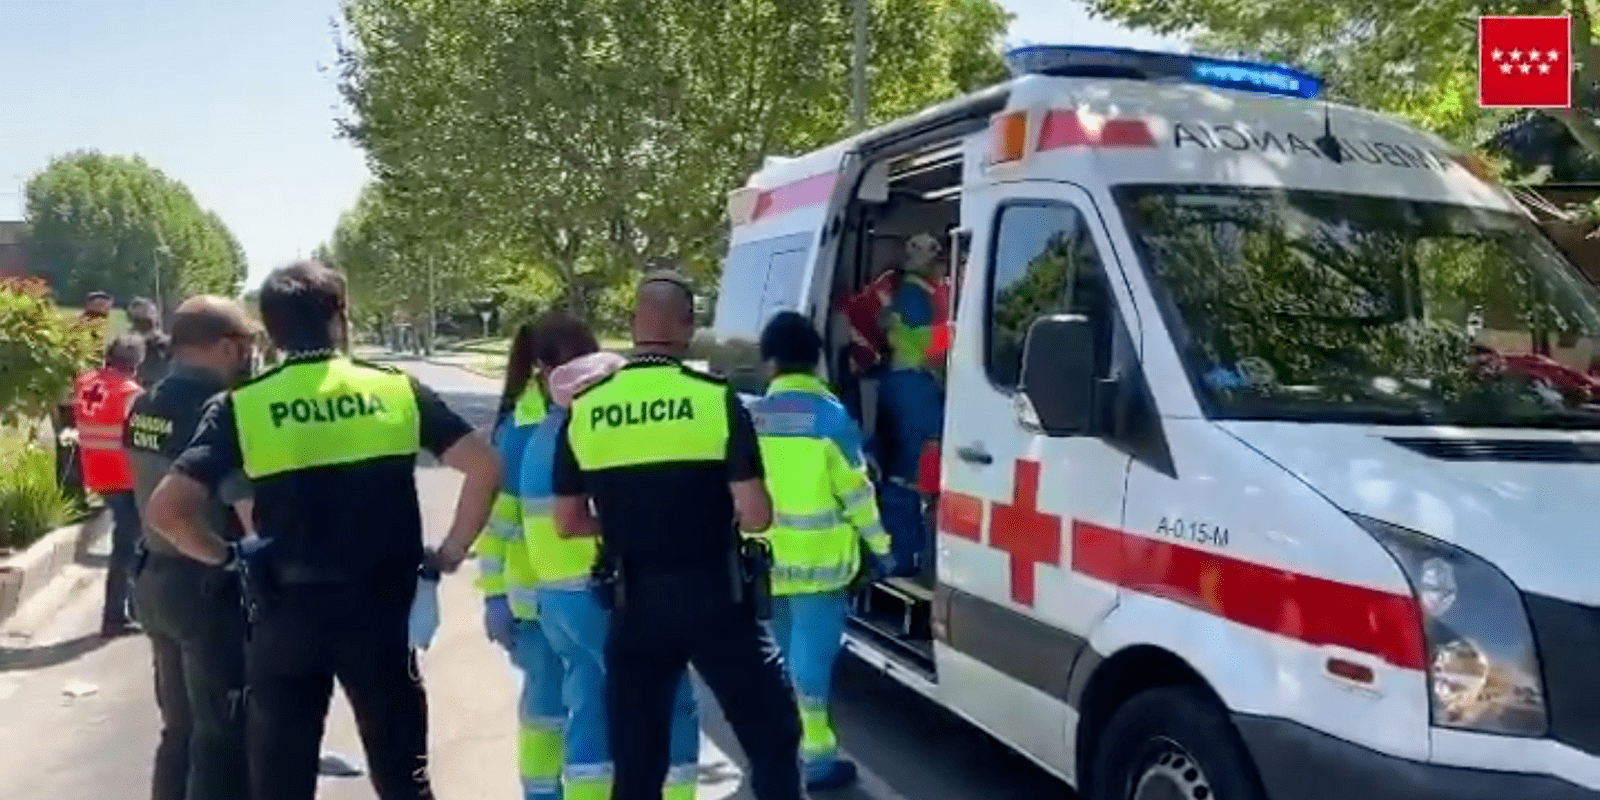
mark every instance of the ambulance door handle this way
{"type": "Point", "coordinates": [974, 454]}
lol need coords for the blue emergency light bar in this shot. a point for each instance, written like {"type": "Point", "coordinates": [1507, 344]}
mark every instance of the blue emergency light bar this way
{"type": "Point", "coordinates": [1079, 61]}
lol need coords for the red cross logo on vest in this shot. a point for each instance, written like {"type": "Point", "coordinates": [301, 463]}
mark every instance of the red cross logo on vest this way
{"type": "Point", "coordinates": [94, 396]}
{"type": "Point", "coordinates": [1030, 536]}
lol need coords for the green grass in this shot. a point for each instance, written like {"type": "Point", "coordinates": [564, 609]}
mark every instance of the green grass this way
{"type": "Point", "coordinates": [118, 322]}
{"type": "Point", "coordinates": [31, 504]}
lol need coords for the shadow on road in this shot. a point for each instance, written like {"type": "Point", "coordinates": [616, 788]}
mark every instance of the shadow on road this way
{"type": "Point", "coordinates": [13, 659]}
{"type": "Point", "coordinates": [951, 757]}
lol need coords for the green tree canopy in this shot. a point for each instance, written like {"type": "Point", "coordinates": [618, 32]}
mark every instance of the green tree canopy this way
{"type": "Point", "coordinates": [116, 224]}
{"type": "Point", "coordinates": [1400, 56]}
{"type": "Point", "coordinates": [586, 136]}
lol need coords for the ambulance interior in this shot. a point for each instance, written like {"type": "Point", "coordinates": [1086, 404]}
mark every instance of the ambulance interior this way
{"type": "Point", "coordinates": [899, 197]}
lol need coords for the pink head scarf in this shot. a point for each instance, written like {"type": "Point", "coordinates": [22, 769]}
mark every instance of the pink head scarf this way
{"type": "Point", "coordinates": [580, 373]}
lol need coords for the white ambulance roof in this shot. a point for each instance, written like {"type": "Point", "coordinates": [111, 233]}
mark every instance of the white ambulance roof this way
{"type": "Point", "coordinates": [778, 171]}
{"type": "Point", "coordinates": [1205, 135]}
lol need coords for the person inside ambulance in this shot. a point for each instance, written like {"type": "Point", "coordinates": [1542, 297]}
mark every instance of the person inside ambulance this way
{"type": "Point", "coordinates": [908, 306]}
{"type": "Point", "coordinates": [824, 514]}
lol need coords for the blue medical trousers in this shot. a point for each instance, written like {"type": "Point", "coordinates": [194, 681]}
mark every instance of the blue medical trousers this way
{"type": "Point", "coordinates": [541, 713]}
{"type": "Point", "coordinates": [810, 630]}
{"type": "Point", "coordinates": [912, 412]}
{"type": "Point", "coordinates": [576, 626]}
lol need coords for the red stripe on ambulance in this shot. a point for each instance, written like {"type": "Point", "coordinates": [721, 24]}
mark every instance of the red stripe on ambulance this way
{"type": "Point", "coordinates": [961, 515]}
{"type": "Point", "coordinates": [1310, 609]}
{"type": "Point", "coordinates": [1313, 610]}
{"type": "Point", "coordinates": [811, 191]}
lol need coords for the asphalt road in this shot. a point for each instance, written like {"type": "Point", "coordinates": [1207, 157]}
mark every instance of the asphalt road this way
{"type": "Point", "coordinates": [78, 719]}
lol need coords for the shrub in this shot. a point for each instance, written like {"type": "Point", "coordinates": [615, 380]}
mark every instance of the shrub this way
{"type": "Point", "coordinates": [41, 350]}
{"type": "Point", "coordinates": [31, 504]}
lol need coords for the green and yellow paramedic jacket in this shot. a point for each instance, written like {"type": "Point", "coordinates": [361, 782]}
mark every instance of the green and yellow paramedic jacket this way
{"type": "Point", "coordinates": [329, 445]}
{"type": "Point", "coordinates": [504, 567]}
{"type": "Point", "coordinates": [823, 503]}
{"type": "Point", "coordinates": [561, 564]}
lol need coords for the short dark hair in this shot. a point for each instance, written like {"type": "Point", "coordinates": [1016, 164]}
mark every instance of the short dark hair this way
{"type": "Point", "coordinates": [202, 324]}
{"type": "Point", "coordinates": [792, 343]}
{"type": "Point", "coordinates": [675, 278]}
{"type": "Point", "coordinates": [560, 337]}
{"type": "Point", "coordinates": [298, 302]}
{"type": "Point", "coordinates": [125, 352]}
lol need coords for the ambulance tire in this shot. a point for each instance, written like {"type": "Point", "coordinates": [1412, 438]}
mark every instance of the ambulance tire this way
{"type": "Point", "coordinates": [1172, 741]}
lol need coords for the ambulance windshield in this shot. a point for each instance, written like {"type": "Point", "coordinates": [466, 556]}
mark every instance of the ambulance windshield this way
{"type": "Point", "coordinates": [1318, 306]}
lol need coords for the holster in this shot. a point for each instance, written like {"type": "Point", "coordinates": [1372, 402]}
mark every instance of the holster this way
{"type": "Point", "coordinates": [606, 581]}
{"type": "Point", "coordinates": [754, 573]}
{"type": "Point", "coordinates": [259, 587]}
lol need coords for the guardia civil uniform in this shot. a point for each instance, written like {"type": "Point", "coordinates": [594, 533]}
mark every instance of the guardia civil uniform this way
{"type": "Point", "coordinates": [824, 511]}
{"type": "Point", "coordinates": [190, 610]}
{"type": "Point", "coordinates": [329, 445]}
{"type": "Point", "coordinates": [655, 446]}
{"type": "Point", "coordinates": [505, 571]}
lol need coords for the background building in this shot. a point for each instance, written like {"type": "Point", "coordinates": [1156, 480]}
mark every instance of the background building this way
{"type": "Point", "coordinates": [13, 249]}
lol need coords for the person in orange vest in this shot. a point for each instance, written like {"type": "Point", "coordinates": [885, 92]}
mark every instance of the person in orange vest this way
{"type": "Point", "coordinates": [100, 402]}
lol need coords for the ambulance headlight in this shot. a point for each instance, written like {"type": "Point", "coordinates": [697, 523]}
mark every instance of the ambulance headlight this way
{"type": "Point", "coordinates": [1483, 667]}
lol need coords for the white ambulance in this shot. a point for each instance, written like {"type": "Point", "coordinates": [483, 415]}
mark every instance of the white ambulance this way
{"type": "Point", "coordinates": [1270, 444]}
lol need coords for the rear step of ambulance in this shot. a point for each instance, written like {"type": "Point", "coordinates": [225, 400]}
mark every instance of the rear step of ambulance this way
{"type": "Point", "coordinates": [893, 617]}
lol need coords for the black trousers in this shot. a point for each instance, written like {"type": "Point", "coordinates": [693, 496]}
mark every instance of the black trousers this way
{"type": "Point", "coordinates": [666, 624]}
{"type": "Point", "coordinates": [191, 613]}
{"type": "Point", "coordinates": [306, 637]}
{"type": "Point", "coordinates": [125, 532]}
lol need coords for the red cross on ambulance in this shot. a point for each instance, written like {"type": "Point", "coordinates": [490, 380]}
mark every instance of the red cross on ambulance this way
{"type": "Point", "coordinates": [1028, 536]}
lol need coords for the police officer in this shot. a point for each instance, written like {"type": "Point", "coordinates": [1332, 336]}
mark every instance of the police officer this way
{"type": "Point", "coordinates": [670, 459]}
{"type": "Point", "coordinates": [329, 445]}
{"type": "Point", "coordinates": [191, 610]}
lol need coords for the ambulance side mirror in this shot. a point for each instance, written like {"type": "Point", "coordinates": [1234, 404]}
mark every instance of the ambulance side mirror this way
{"type": "Point", "coordinates": [1060, 377]}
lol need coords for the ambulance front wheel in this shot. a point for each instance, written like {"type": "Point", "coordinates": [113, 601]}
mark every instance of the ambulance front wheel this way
{"type": "Point", "coordinates": [1172, 743]}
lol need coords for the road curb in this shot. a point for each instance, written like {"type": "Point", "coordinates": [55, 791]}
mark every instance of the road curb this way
{"type": "Point", "coordinates": [23, 574]}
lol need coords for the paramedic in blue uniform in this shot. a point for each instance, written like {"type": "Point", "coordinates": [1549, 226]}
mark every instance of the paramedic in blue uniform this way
{"type": "Point", "coordinates": [669, 457]}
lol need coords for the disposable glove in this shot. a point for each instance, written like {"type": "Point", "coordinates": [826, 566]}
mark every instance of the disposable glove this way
{"type": "Point", "coordinates": [424, 620]}
{"type": "Point", "coordinates": [498, 621]}
{"type": "Point", "coordinates": [241, 552]}
{"type": "Point", "coordinates": [883, 566]}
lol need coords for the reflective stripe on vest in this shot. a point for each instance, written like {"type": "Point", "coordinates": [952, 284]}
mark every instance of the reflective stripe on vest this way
{"type": "Point", "coordinates": [557, 563]}
{"type": "Point", "coordinates": [505, 566]}
{"type": "Point", "coordinates": [814, 546]}
{"type": "Point", "coordinates": [100, 437]}
{"type": "Point", "coordinates": [320, 413]}
{"type": "Point", "coordinates": [649, 414]}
